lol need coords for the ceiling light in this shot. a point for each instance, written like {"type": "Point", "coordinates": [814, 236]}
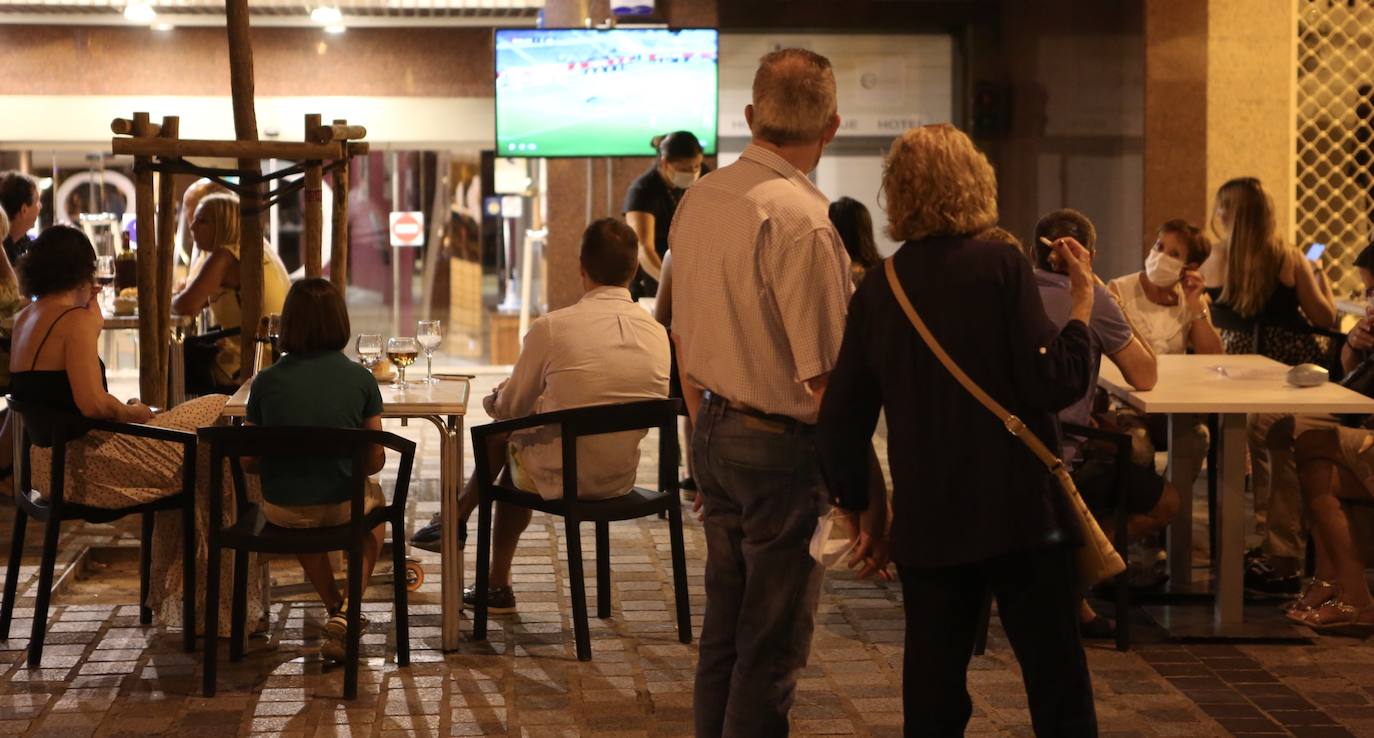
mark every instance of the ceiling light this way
{"type": "Point", "coordinates": [138, 11]}
{"type": "Point", "coordinates": [327, 15]}
{"type": "Point", "coordinates": [335, 29]}
{"type": "Point", "coordinates": [45, 183]}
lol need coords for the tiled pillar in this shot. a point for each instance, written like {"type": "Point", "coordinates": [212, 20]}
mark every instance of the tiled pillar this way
{"type": "Point", "coordinates": [1219, 103]}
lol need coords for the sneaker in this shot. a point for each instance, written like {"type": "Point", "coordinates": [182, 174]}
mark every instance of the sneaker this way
{"type": "Point", "coordinates": [428, 537]}
{"type": "Point", "coordinates": [1262, 579]}
{"type": "Point", "coordinates": [500, 600]}
{"type": "Point", "coordinates": [688, 489]}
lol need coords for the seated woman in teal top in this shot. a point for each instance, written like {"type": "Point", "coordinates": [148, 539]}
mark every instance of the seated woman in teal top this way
{"type": "Point", "coordinates": [314, 384]}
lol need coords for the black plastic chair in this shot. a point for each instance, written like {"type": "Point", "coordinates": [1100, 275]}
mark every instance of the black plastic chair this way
{"type": "Point", "coordinates": [49, 429]}
{"type": "Point", "coordinates": [252, 533]}
{"type": "Point", "coordinates": [1122, 443]}
{"type": "Point", "coordinates": [639, 503]}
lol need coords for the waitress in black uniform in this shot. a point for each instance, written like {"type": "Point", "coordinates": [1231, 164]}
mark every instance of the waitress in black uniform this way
{"type": "Point", "coordinates": [649, 207]}
{"type": "Point", "coordinates": [652, 199]}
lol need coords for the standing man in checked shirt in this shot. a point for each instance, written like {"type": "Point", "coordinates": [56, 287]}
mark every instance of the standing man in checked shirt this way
{"type": "Point", "coordinates": [760, 287]}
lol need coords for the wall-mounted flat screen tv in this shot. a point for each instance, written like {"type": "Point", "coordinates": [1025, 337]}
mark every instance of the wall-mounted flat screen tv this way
{"type": "Point", "coordinates": [582, 92]}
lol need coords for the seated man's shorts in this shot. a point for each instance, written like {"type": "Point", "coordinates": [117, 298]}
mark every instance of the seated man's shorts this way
{"type": "Point", "coordinates": [322, 516]}
{"type": "Point", "coordinates": [1102, 484]}
{"type": "Point", "coordinates": [518, 476]}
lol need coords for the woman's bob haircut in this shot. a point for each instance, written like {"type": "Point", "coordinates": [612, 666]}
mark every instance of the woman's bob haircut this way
{"type": "Point", "coordinates": [314, 318]}
{"type": "Point", "coordinates": [937, 183]}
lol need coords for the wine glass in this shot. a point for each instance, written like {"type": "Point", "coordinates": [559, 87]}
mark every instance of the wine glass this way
{"type": "Point", "coordinates": [274, 334]}
{"type": "Point", "coordinates": [402, 350]}
{"type": "Point", "coordinates": [369, 349]}
{"type": "Point", "coordinates": [104, 276]}
{"type": "Point", "coordinates": [430, 334]}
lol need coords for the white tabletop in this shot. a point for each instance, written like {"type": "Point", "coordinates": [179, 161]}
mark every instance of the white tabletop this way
{"type": "Point", "coordinates": [445, 397]}
{"type": "Point", "coordinates": [1221, 383]}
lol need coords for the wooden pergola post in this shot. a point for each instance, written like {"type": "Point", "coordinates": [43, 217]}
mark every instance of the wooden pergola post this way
{"type": "Point", "coordinates": [250, 220]}
{"type": "Point", "coordinates": [314, 206]}
{"type": "Point", "coordinates": [150, 390]}
{"type": "Point", "coordinates": [166, 242]}
{"type": "Point", "coordinates": [338, 251]}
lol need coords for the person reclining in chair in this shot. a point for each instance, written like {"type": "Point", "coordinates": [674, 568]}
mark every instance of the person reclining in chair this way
{"type": "Point", "coordinates": [603, 349]}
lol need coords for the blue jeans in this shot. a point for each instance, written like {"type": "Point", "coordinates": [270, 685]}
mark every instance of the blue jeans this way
{"type": "Point", "coordinates": [762, 494]}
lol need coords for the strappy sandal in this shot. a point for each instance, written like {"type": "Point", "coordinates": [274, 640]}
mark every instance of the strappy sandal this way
{"type": "Point", "coordinates": [1298, 609]}
{"type": "Point", "coordinates": [1338, 614]}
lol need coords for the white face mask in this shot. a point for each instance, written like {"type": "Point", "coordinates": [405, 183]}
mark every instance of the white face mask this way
{"type": "Point", "coordinates": [683, 180]}
{"type": "Point", "coordinates": [1162, 269]}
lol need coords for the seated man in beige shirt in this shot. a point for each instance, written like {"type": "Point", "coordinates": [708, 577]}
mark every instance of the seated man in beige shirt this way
{"type": "Point", "coordinates": [604, 349]}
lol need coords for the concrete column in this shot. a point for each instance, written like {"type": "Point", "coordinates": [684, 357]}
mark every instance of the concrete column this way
{"type": "Point", "coordinates": [1176, 184]}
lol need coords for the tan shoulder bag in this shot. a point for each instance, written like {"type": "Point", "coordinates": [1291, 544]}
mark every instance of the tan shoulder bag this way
{"type": "Point", "coordinates": [1097, 557]}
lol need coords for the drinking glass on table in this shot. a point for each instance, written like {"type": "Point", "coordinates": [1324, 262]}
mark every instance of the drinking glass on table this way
{"type": "Point", "coordinates": [104, 276]}
{"type": "Point", "coordinates": [402, 351]}
{"type": "Point", "coordinates": [430, 334]}
{"type": "Point", "coordinates": [369, 349]}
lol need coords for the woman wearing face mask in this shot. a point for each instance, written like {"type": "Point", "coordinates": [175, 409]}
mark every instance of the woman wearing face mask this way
{"type": "Point", "coordinates": [652, 199]}
{"type": "Point", "coordinates": [1166, 302]}
{"type": "Point", "coordinates": [1167, 307]}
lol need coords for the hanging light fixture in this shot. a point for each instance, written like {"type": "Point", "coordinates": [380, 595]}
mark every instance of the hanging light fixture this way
{"type": "Point", "coordinates": [327, 15]}
{"type": "Point", "coordinates": [139, 11]}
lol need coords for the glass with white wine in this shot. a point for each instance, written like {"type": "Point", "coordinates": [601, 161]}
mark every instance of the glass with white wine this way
{"type": "Point", "coordinates": [402, 351]}
{"type": "Point", "coordinates": [430, 334]}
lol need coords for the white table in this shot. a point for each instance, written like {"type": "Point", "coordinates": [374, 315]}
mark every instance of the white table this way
{"type": "Point", "coordinates": [444, 404]}
{"type": "Point", "coordinates": [1230, 386]}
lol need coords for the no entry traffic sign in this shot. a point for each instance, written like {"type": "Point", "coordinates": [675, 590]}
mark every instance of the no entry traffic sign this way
{"type": "Point", "coordinates": [407, 228]}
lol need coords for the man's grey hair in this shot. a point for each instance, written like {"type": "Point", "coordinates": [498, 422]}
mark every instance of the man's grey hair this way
{"type": "Point", "coordinates": [794, 97]}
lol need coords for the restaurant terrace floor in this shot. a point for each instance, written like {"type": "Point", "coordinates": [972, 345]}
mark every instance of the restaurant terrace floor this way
{"type": "Point", "coordinates": [104, 675]}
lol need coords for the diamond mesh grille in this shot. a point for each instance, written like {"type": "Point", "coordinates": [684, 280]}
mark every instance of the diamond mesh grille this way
{"type": "Point", "coordinates": [1334, 163]}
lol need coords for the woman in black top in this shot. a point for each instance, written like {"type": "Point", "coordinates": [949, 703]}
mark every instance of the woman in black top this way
{"type": "Point", "coordinates": [652, 199]}
{"type": "Point", "coordinates": [973, 509]}
{"type": "Point", "coordinates": [54, 365]}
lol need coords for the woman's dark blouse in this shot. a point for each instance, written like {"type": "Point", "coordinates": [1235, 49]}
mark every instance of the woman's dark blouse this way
{"type": "Point", "coordinates": [964, 489]}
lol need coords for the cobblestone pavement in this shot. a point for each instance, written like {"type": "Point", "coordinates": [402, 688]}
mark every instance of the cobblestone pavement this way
{"type": "Point", "coordinates": [104, 675]}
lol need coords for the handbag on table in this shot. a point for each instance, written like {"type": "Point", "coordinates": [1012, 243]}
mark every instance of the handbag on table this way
{"type": "Point", "coordinates": [1097, 558]}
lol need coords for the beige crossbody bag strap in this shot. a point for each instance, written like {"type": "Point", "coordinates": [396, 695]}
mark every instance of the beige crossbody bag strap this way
{"type": "Point", "coordinates": [1013, 423]}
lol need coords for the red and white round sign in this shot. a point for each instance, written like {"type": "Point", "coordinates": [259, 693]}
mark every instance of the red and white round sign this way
{"type": "Point", "coordinates": [407, 229]}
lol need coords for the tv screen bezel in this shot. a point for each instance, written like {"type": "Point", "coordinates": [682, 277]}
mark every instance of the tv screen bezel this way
{"type": "Point", "coordinates": [714, 150]}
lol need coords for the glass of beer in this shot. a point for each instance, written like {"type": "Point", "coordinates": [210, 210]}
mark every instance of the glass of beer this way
{"type": "Point", "coordinates": [402, 351]}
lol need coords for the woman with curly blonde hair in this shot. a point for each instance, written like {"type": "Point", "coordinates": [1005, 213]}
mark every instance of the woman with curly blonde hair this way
{"type": "Point", "coordinates": [973, 509]}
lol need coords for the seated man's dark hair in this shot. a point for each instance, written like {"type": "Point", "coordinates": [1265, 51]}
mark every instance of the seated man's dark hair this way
{"type": "Point", "coordinates": [610, 252]}
{"type": "Point", "coordinates": [1064, 223]}
{"type": "Point", "coordinates": [60, 259]}
{"type": "Point", "coordinates": [17, 190]}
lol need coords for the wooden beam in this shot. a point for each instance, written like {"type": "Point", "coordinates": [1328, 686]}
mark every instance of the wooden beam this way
{"type": "Point", "coordinates": [125, 127]}
{"type": "Point", "coordinates": [166, 246]}
{"type": "Point", "coordinates": [326, 134]}
{"type": "Point", "coordinates": [313, 243]}
{"type": "Point", "coordinates": [250, 163]}
{"type": "Point", "coordinates": [240, 149]}
{"type": "Point", "coordinates": [338, 251]}
{"type": "Point", "coordinates": [151, 388]}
